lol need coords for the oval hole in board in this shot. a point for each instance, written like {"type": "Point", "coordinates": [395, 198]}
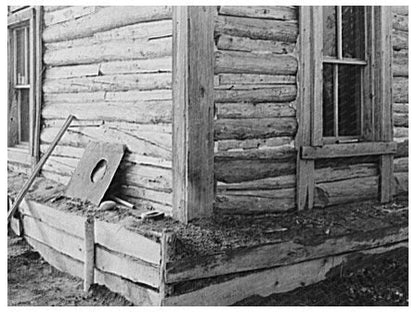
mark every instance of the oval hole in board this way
{"type": "Point", "coordinates": [99, 171]}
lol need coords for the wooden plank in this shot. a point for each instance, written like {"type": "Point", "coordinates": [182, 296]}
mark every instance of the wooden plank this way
{"type": "Point", "coordinates": [234, 43]}
{"type": "Point", "coordinates": [193, 112]}
{"type": "Point", "coordinates": [18, 155]}
{"type": "Point", "coordinates": [104, 19]}
{"type": "Point", "coordinates": [89, 253]}
{"type": "Point", "coordinates": [267, 282]}
{"type": "Point", "coordinates": [160, 197]}
{"type": "Point", "coordinates": [236, 62]}
{"type": "Point", "coordinates": [266, 12]}
{"type": "Point", "coordinates": [57, 177]}
{"type": "Point", "coordinates": [127, 267]}
{"type": "Point", "coordinates": [348, 150]}
{"type": "Point", "coordinates": [253, 28]}
{"type": "Point", "coordinates": [125, 82]}
{"type": "Point", "coordinates": [108, 51]}
{"type": "Point", "coordinates": [276, 254]}
{"type": "Point", "coordinates": [343, 172]}
{"type": "Point", "coordinates": [251, 128]}
{"type": "Point", "coordinates": [137, 294]}
{"type": "Point", "coordinates": [116, 237]}
{"type": "Point", "coordinates": [64, 221]}
{"type": "Point", "coordinates": [255, 201]}
{"type": "Point", "coordinates": [38, 76]}
{"type": "Point", "coordinates": [58, 260]}
{"type": "Point", "coordinates": [273, 183]}
{"type": "Point", "coordinates": [130, 194]}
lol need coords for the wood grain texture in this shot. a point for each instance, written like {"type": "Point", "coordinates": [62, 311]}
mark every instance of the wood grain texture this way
{"type": "Point", "coordinates": [234, 43]}
{"type": "Point", "coordinates": [266, 12]}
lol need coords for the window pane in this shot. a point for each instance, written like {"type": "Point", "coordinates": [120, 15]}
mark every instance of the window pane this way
{"type": "Point", "coordinates": [353, 32]}
{"type": "Point", "coordinates": [328, 100]}
{"type": "Point", "coordinates": [22, 56]}
{"type": "Point", "coordinates": [24, 115]}
{"type": "Point", "coordinates": [330, 30]}
{"type": "Point", "coordinates": [349, 100]}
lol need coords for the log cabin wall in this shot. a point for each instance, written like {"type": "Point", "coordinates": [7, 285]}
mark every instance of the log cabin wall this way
{"type": "Point", "coordinates": [400, 37]}
{"type": "Point", "coordinates": [111, 67]}
{"type": "Point", "coordinates": [255, 124]}
{"type": "Point", "coordinates": [255, 120]}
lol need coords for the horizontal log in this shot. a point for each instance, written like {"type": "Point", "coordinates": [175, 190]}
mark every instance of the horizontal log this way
{"type": "Point", "coordinates": [401, 183]}
{"type": "Point", "coordinates": [230, 80]}
{"type": "Point", "coordinates": [159, 197]}
{"type": "Point", "coordinates": [343, 172]}
{"type": "Point", "coordinates": [53, 237]}
{"type": "Point", "coordinates": [148, 161]}
{"type": "Point", "coordinates": [138, 294]}
{"type": "Point", "coordinates": [282, 93]}
{"type": "Point", "coordinates": [108, 51]}
{"type": "Point", "coordinates": [103, 96]}
{"type": "Point", "coordinates": [151, 81]}
{"type": "Point", "coordinates": [278, 153]}
{"type": "Point", "coordinates": [51, 8]}
{"type": "Point", "coordinates": [400, 22]}
{"type": "Point", "coordinates": [57, 177]}
{"type": "Point", "coordinates": [348, 150]}
{"type": "Point", "coordinates": [266, 282]}
{"type": "Point", "coordinates": [56, 259]}
{"type": "Point", "coordinates": [267, 12]}
{"type": "Point", "coordinates": [400, 65]}
{"type": "Point", "coordinates": [256, 201]}
{"type": "Point", "coordinates": [254, 128]}
{"type": "Point", "coordinates": [117, 238]}
{"type": "Point", "coordinates": [249, 110]}
{"type": "Point", "coordinates": [234, 43]}
{"type": "Point", "coordinates": [278, 254]}
{"type": "Point", "coordinates": [66, 14]}
{"type": "Point", "coordinates": [235, 62]}
{"type": "Point", "coordinates": [402, 148]}
{"type": "Point", "coordinates": [401, 132]}
{"type": "Point", "coordinates": [105, 19]}
{"type": "Point", "coordinates": [282, 182]}
{"type": "Point", "coordinates": [400, 90]}
{"type": "Point", "coordinates": [127, 267]}
{"type": "Point", "coordinates": [240, 170]}
{"type": "Point", "coordinates": [401, 108]}
{"type": "Point", "coordinates": [148, 144]}
{"type": "Point", "coordinates": [401, 164]}
{"type": "Point", "coordinates": [401, 120]}
{"type": "Point", "coordinates": [346, 191]}
{"type": "Point", "coordinates": [239, 145]}
{"type": "Point", "coordinates": [155, 112]}
{"type": "Point", "coordinates": [157, 65]}
{"type": "Point", "coordinates": [400, 39]}
{"type": "Point", "coordinates": [256, 28]}
{"type": "Point", "coordinates": [403, 10]}
{"type": "Point", "coordinates": [67, 222]}
{"type": "Point", "coordinates": [62, 165]}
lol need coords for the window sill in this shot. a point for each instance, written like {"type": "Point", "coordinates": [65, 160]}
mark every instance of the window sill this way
{"type": "Point", "coordinates": [348, 150]}
{"type": "Point", "coordinates": [19, 154]}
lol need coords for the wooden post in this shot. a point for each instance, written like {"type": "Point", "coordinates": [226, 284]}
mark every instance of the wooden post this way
{"type": "Point", "coordinates": [193, 112]}
{"type": "Point", "coordinates": [38, 83]}
{"type": "Point", "coordinates": [383, 81]}
{"type": "Point", "coordinates": [305, 168]}
{"type": "Point", "coordinates": [89, 259]}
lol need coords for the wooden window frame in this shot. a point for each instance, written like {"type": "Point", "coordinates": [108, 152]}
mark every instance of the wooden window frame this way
{"type": "Point", "coordinates": [376, 107]}
{"type": "Point", "coordinates": [26, 153]}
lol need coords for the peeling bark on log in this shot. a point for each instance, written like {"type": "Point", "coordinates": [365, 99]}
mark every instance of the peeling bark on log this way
{"type": "Point", "coordinates": [254, 79]}
{"type": "Point", "coordinates": [108, 51]}
{"type": "Point", "coordinates": [401, 164]}
{"type": "Point", "coordinates": [266, 12]}
{"type": "Point", "coordinates": [339, 192]}
{"type": "Point", "coordinates": [235, 62]}
{"type": "Point", "coordinates": [159, 65]}
{"type": "Point", "coordinates": [253, 128]}
{"type": "Point", "coordinates": [248, 110]}
{"type": "Point", "coordinates": [401, 90]}
{"type": "Point", "coordinates": [109, 83]}
{"type": "Point", "coordinates": [234, 43]}
{"type": "Point", "coordinates": [256, 28]}
{"type": "Point", "coordinates": [226, 145]}
{"type": "Point", "coordinates": [156, 112]}
{"type": "Point", "coordinates": [105, 19]}
{"type": "Point", "coordinates": [259, 201]}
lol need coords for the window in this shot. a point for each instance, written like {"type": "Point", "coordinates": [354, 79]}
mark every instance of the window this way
{"type": "Point", "coordinates": [345, 91]}
{"type": "Point", "coordinates": [23, 68]}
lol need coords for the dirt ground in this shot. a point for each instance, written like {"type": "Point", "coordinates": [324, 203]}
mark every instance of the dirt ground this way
{"type": "Point", "coordinates": [382, 280]}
